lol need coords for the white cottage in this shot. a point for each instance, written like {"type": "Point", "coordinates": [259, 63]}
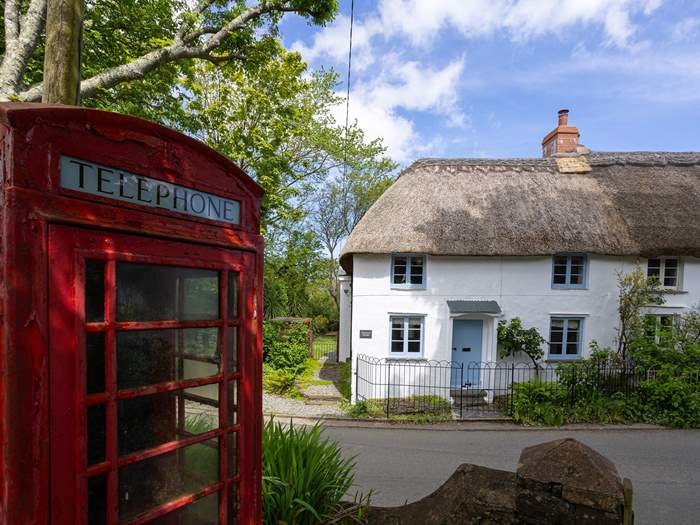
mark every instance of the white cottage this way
{"type": "Point", "coordinates": [455, 245]}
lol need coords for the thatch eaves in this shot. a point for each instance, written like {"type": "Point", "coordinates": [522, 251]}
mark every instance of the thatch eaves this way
{"type": "Point", "coordinates": [637, 203]}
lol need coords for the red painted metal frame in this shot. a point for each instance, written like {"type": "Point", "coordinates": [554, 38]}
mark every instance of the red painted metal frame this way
{"type": "Point", "coordinates": [32, 138]}
{"type": "Point", "coordinates": [69, 248]}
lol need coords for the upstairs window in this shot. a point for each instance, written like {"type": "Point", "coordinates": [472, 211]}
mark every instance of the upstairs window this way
{"type": "Point", "coordinates": [406, 336]}
{"type": "Point", "coordinates": [408, 271]}
{"type": "Point", "coordinates": [665, 270]}
{"type": "Point", "coordinates": [569, 271]}
{"type": "Point", "coordinates": [565, 337]}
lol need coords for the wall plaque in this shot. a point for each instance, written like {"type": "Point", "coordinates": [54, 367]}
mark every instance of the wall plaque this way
{"type": "Point", "coordinates": [365, 334]}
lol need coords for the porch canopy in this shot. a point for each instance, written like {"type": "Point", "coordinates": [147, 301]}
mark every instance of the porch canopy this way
{"type": "Point", "coordinates": [474, 307]}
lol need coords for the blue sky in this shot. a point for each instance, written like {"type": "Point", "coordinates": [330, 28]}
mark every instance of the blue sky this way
{"type": "Point", "coordinates": [485, 78]}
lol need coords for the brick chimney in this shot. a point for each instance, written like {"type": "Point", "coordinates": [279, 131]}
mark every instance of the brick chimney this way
{"type": "Point", "coordinates": [562, 139]}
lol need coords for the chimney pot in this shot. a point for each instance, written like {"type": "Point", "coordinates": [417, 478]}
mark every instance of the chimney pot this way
{"type": "Point", "coordinates": [561, 140]}
{"type": "Point", "coordinates": [563, 117]}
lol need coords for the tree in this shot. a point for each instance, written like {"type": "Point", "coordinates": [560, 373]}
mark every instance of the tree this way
{"type": "Point", "coordinates": [275, 120]}
{"type": "Point", "coordinates": [514, 339]}
{"type": "Point", "coordinates": [636, 291]}
{"type": "Point", "coordinates": [173, 31]}
{"type": "Point", "coordinates": [293, 269]}
{"type": "Point", "coordinates": [340, 203]}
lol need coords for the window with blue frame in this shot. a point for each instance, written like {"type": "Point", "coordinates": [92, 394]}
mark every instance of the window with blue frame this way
{"type": "Point", "coordinates": [406, 336]}
{"type": "Point", "coordinates": [565, 337]}
{"type": "Point", "coordinates": [569, 271]}
{"type": "Point", "coordinates": [408, 271]}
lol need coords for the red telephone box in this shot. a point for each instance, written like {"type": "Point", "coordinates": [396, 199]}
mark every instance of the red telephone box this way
{"type": "Point", "coordinates": [130, 344]}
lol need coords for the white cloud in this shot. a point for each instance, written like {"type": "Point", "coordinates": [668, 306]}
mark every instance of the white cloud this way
{"type": "Point", "coordinates": [421, 21]}
{"type": "Point", "coordinates": [686, 30]}
{"type": "Point", "coordinates": [388, 87]}
{"type": "Point", "coordinates": [377, 103]}
{"type": "Point", "coordinates": [332, 42]}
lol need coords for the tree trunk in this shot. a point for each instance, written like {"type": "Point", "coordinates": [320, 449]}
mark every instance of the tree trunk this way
{"type": "Point", "coordinates": [64, 30]}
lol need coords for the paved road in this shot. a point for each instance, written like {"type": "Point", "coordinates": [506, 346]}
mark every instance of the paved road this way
{"type": "Point", "coordinates": [405, 465]}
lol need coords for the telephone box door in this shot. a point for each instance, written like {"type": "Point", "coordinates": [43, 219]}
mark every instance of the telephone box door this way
{"type": "Point", "coordinates": [149, 381]}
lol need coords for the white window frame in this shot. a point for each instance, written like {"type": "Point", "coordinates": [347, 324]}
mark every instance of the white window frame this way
{"type": "Point", "coordinates": [658, 326]}
{"type": "Point", "coordinates": [408, 285]}
{"type": "Point", "coordinates": [662, 271]}
{"type": "Point", "coordinates": [565, 333]}
{"type": "Point", "coordinates": [405, 354]}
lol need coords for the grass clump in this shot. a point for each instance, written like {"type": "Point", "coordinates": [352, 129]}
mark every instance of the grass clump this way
{"type": "Point", "coordinates": [305, 477]}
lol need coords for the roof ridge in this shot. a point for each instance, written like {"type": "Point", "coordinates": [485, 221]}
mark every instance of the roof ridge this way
{"type": "Point", "coordinates": [598, 158]}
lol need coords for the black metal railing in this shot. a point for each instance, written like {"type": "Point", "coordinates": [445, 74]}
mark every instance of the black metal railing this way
{"type": "Point", "coordinates": [406, 387]}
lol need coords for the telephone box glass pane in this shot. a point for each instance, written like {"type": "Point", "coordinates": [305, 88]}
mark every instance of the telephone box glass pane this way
{"type": "Point", "coordinates": [95, 434]}
{"type": "Point", "coordinates": [160, 293]}
{"type": "Point", "coordinates": [94, 291]}
{"type": "Point", "coordinates": [204, 511]}
{"type": "Point", "coordinates": [148, 357]}
{"type": "Point", "coordinates": [94, 362]}
{"type": "Point", "coordinates": [160, 479]}
{"type": "Point", "coordinates": [97, 500]}
{"type": "Point", "coordinates": [232, 341]}
{"type": "Point", "coordinates": [148, 421]}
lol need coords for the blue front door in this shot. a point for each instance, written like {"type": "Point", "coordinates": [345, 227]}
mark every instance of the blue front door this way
{"type": "Point", "coordinates": [466, 350]}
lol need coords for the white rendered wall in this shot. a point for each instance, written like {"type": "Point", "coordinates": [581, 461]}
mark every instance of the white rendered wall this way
{"type": "Point", "coordinates": [345, 319]}
{"type": "Point", "coordinates": [520, 285]}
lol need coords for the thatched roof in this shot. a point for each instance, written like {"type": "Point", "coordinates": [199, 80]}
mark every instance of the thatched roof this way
{"type": "Point", "coordinates": [614, 204]}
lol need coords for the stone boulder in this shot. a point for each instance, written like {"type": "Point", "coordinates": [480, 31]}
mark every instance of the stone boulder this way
{"type": "Point", "coordinates": [471, 495]}
{"type": "Point", "coordinates": [565, 481]}
{"type": "Point", "coordinates": [559, 482]}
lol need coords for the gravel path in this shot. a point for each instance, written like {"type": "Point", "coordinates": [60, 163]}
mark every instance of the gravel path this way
{"type": "Point", "coordinates": [273, 404]}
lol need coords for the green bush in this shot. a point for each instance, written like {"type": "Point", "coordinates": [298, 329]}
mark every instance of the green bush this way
{"type": "Point", "coordinates": [304, 475]}
{"type": "Point", "coordinates": [537, 402]}
{"type": "Point", "coordinates": [671, 400]}
{"type": "Point", "coordinates": [286, 350]}
{"type": "Point", "coordinates": [278, 381]}
{"type": "Point", "coordinates": [417, 409]}
{"type": "Point", "coordinates": [319, 324]}
{"type": "Point", "coordinates": [359, 410]}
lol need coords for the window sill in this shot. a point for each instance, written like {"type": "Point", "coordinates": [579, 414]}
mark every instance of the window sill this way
{"type": "Point", "coordinates": [559, 360]}
{"type": "Point", "coordinates": [407, 287]}
{"type": "Point", "coordinates": [392, 358]}
{"type": "Point", "coordinates": [567, 287]}
{"type": "Point", "coordinates": [673, 291]}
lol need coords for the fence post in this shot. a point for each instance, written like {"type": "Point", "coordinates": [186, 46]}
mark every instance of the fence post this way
{"type": "Point", "coordinates": [357, 378]}
{"type": "Point", "coordinates": [512, 388]}
{"type": "Point", "coordinates": [388, 387]}
{"type": "Point", "coordinates": [461, 391]}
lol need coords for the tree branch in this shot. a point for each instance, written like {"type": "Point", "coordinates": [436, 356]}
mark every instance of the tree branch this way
{"type": "Point", "coordinates": [143, 65]}
{"type": "Point", "coordinates": [237, 23]}
{"type": "Point", "coordinates": [203, 6]}
{"type": "Point", "coordinates": [23, 33]}
{"type": "Point", "coordinates": [32, 24]}
{"type": "Point", "coordinates": [12, 17]}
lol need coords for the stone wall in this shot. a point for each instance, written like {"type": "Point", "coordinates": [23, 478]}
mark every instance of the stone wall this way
{"type": "Point", "coordinates": [558, 482]}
